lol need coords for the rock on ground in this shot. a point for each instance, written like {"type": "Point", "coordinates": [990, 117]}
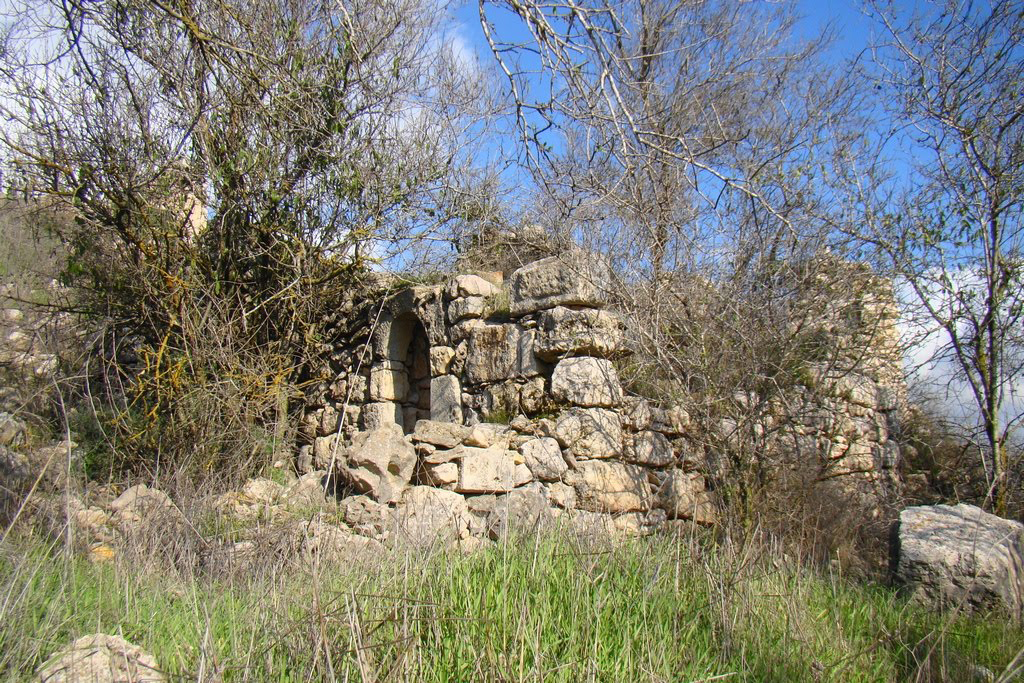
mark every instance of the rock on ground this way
{"type": "Point", "coordinates": [100, 658]}
{"type": "Point", "coordinates": [959, 555]}
{"type": "Point", "coordinates": [379, 463]}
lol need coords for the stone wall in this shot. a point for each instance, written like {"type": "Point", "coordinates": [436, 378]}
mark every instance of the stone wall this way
{"type": "Point", "coordinates": [503, 394]}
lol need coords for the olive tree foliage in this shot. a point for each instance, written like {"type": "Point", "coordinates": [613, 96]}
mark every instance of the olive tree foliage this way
{"type": "Point", "coordinates": [940, 199]}
{"type": "Point", "coordinates": [228, 166]}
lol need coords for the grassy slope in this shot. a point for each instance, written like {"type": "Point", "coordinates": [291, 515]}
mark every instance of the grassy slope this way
{"type": "Point", "coordinates": [531, 611]}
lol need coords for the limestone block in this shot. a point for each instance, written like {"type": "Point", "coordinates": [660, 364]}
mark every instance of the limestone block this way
{"type": "Point", "coordinates": [857, 389]}
{"type": "Point", "coordinates": [561, 495]}
{"type": "Point", "coordinates": [446, 399]}
{"type": "Point", "coordinates": [471, 286]}
{"type": "Point", "coordinates": [590, 432]}
{"type": "Point", "coordinates": [586, 381]}
{"type": "Point", "coordinates": [532, 396]}
{"type": "Point", "coordinates": [100, 658]}
{"type": "Point", "coordinates": [485, 434]}
{"type": "Point", "coordinates": [636, 413]}
{"type": "Point", "coordinates": [329, 419]}
{"type": "Point", "coordinates": [490, 470]}
{"type": "Point", "coordinates": [683, 495]}
{"type": "Point", "coordinates": [442, 475]}
{"type": "Point", "coordinates": [672, 420]}
{"type": "Point", "coordinates": [612, 487]}
{"type": "Point", "coordinates": [489, 356]}
{"type": "Point", "coordinates": [428, 515]}
{"type": "Point", "coordinates": [323, 451]}
{"type": "Point", "coordinates": [524, 510]}
{"type": "Point", "coordinates": [441, 358]}
{"type": "Point", "coordinates": [650, 448]}
{"type": "Point", "coordinates": [460, 332]}
{"type": "Point", "coordinates": [389, 381]}
{"type": "Point", "coordinates": [379, 463]}
{"type": "Point", "coordinates": [544, 458]}
{"type": "Point", "coordinates": [376, 415]}
{"type": "Point", "coordinates": [438, 433]}
{"type": "Point", "coordinates": [465, 309]}
{"type": "Point", "coordinates": [527, 363]}
{"type": "Point", "coordinates": [500, 352]}
{"type": "Point", "coordinates": [579, 332]}
{"type": "Point", "coordinates": [366, 516]}
{"type": "Point", "coordinates": [557, 281]}
{"type": "Point", "coordinates": [953, 556]}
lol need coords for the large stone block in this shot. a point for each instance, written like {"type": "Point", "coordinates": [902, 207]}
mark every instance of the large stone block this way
{"type": "Point", "coordinates": [499, 352]}
{"type": "Point", "coordinates": [471, 285]}
{"type": "Point", "coordinates": [379, 463]}
{"type": "Point", "coordinates": [544, 458]}
{"type": "Point", "coordinates": [558, 281]}
{"type": "Point", "coordinates": [466, 309]}
{"type": "Point", "coordinates": [440, 433]}
{"type": "Point", "coordinates": [376, 415]}
{"type": "Point", "coordinates": [428, 515]}
{"type": "Point", "coordinates": [612, 487]}
{"type": "Point", "coordinates": [490, 470]}
{"type": "Point", "coordinates": [589, 432]}
{"type": "Point", "coordinates": [585, 381]}
{"type": "Point", "coordinates": [683, 495]}
{"type": "Point", "coordinates": [446, 399]}
{"type": "Point", "coordinates": [525, 510]}
{"type": "Point", "coordinates": [441, 358]}
{"type": "Point", "coordinates": [650, 448]}
{"type": "Point", "coordinates": [960, 556]}
{"type": "Point", "coordinates": [389, 381]}
{"type": "Point", "coordinates": [100, 658]}
{"type": "Point", "coordinates": [490, 357]}
{"type": "Point", "coordinates": [579, 332]}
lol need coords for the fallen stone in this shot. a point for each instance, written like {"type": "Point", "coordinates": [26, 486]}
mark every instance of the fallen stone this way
{"type": "Point", "coordinates": [100, 658]}
{"type": "Point", "coordinates": [141, 506]}
{"type": "Point", "coordinates": [524, 510]}
{"type": "Point", "coordinates": [379, 463]}
{"type": "Point", "coordinates": [962, 557]}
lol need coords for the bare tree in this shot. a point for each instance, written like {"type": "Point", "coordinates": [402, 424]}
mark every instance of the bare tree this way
{"type": "Point", "coordinates": [940, 198]}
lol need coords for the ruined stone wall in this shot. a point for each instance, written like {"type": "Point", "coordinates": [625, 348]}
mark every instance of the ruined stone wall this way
{"type": "Point", "coordinates": [501, 396]}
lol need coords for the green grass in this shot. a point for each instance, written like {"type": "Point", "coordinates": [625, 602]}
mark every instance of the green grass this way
{"type": "Point", "coordinates": [546, 610]}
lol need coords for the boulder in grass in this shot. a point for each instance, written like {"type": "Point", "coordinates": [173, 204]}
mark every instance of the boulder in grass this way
{"type": "Point", "coordinates": [961, 557]}
{"type": "Point", "coordinates": [100, 658]}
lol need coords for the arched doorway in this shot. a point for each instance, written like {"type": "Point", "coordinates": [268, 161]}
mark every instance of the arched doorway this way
{"type": "Point", "coordinates": [408, 351]}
